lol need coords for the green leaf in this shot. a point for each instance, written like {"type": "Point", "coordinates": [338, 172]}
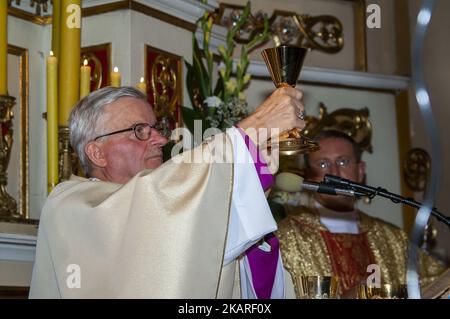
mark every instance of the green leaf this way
{"type": "Point", "coordinates": [191, 82]}
{"type": "Point", "coordinates": [201, 74]}
{"type": "Point", "coordinates": [189, 116]}
{"type": "Point", "coordinates": [218, 90]}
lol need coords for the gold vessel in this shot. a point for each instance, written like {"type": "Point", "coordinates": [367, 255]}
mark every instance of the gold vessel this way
{"type": "Point", "coordinates": [284, 64]}
{"type": "Point", "coordinates": [318, 287]}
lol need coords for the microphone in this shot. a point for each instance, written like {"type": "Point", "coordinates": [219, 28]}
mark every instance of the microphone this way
{"type": "Point", "coordinates": [290, 182]}
{"type": "Point", "coordinates": [370, 191]}
{"type": "Point", "coordinates": [330, 189]}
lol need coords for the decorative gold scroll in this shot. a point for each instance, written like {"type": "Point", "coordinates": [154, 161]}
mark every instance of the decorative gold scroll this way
{"type": "Point", "coordinates": [322, 33]}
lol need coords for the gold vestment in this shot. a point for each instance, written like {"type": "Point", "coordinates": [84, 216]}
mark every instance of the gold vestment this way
{"type": "Point", "coordinates": [309, 249]}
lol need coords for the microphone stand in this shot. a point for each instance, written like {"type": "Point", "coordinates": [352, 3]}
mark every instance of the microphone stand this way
{"type": "Point", "coordinates": [371, 192]}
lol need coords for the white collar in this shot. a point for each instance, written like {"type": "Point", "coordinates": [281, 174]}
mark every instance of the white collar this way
{"type": "Point", "coordinates": [338, 222]}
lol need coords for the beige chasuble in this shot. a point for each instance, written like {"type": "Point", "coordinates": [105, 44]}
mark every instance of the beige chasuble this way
{"type": "Point", "coordinates": [161, 235]}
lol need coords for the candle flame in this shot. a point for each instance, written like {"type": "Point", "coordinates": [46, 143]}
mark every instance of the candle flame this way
{"type": "Point", "coordinates": [85, 62]}
{"type": "Point", "coordinates": [116, 69]}
{"type": "Point", "coordinates": [142, 79]}
{"type": "Point", "coordinates": [51, 53]}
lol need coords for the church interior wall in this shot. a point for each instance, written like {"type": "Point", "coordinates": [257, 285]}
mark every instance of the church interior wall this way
{"type": "Point", "coordinates": [161, 35]}
{"type": "Point", "coordinates": [383, 165]}
{"type": "Point", "coordinates": [36, 39]}
{"type": "Point", "coordinates": [437, 76]}
{"type": "Point", "coordinates": [129, 31]}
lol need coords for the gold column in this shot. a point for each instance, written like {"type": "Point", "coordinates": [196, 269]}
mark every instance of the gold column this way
{"type": "Point", "coordinates": [69, 77]}
{"type": "Point", "coordinates": [3, 47]}
{"type": "Point", "coordinates": [8, 205]}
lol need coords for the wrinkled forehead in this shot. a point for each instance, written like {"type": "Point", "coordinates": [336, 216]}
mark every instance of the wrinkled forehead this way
{"type": "Point", "coordinates": [125, 112]}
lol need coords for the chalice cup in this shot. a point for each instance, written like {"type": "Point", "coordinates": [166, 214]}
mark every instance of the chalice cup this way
{"type": "Point", "coordinates": [318, 287]}
{"type": "Point", "coordinates": [284, 64]}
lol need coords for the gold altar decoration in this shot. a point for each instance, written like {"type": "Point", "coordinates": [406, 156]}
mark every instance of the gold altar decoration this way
{"type": "Point", "coordinates": [354, 123]}
{"type": "Point", "coordinates": [164, 83]}
{"type": "Point", "coordinates": [41, 5]}
{"type": "Point", "coordinates": [3, 49]}
{"type": "Point", "coordinates": [163, 72]}
{"type": "Point", "coordinates": [417, 169]}
{"type": "Point", "coordinates": [416, 173]}
{"type": "Point", "coordinates": [323, 33]}
{"type": "Point", "coordinates": [8, 205]}
{"type": "Point", "coordinates": [65, 154]}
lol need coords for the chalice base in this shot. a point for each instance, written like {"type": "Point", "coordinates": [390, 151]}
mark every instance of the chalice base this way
{"type": "Point", "coordinates": [295, 146]}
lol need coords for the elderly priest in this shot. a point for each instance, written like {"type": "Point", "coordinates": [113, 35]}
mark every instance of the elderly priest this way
{"type": "Point", "coordinates": [138, 228]}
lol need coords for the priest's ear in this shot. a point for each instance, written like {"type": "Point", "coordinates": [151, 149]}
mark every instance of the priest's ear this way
{"type": "Point", "coordinates": [95, 154]}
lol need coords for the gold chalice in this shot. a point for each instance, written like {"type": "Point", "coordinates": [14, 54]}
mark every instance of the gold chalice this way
{"type": "Point", "coordinates": [318, 287]}
{"type": "Point", "coordinates": [385, 291]}
{"type": "Point", "coordinates": [284, 64]}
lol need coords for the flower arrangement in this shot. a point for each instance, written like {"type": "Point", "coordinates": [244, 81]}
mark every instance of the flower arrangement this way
{"type": "Point", "coordinates": [223, 105]}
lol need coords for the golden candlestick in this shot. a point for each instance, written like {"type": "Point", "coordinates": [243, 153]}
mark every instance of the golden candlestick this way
{"type": "Point", "coordinates": [3, 48]}
{"type": "Point", "coordinates": [8, 205]}
{"type": "Point", "coordinates": [284, 64]}
{"type": "Point", "coordinates": [65, 154]}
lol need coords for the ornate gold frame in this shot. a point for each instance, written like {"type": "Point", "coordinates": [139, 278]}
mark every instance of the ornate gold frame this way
{"type": "Point", "coordinates": [22, 109]}
{"type": "Point", "coordinates": [107, 47]}
{"type": "Point", "coordinates": [180, 79]}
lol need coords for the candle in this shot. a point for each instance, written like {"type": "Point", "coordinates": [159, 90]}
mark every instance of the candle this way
{"type": "Point", "coordinates": [52, 122]}
{"type": "Point", "coordinates": [115, 77]}
{"type": "Point", "coordinates": [69, 59]}
{"type": "Point", "coordinates": [3, 47]}
{"type": "Point", "coordinates": [56, 27]}
{"type": "Point", "coordinates": [142, 86]}
{"type": "Point", "coordinates": [85, 79]}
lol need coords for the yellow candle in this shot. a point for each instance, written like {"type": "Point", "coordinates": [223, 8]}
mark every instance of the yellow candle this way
{"type": "Point", "coordinates": [115, 77]}
{"type": "Point", "coordinates": [85, 79]}
{"type": "Point", "coordinates": [56, 27]}
{"type": "Point", "coordinates": [142, 86]}
{"type": "Point", "coordinates": [3, 47]}
{"type": "Point", "coordinates": [52, 122]}
{"type": "Point", "coordinates": [69, 59]}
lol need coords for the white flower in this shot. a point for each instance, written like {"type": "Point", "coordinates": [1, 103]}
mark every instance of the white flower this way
{"type": "Point", "coordinates": [213, 101]}
{"type": "Point", "coordinates": [230, 85]}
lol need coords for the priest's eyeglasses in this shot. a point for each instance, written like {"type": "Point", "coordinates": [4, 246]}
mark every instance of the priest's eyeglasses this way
{"type": "Point", "coordinates": [342, 162]}
{"type": "Point", "coordinates": [143, 131]}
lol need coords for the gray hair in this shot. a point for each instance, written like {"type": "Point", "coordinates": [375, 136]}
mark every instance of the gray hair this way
{"type": "Point", "coordinates": [86, 116]}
